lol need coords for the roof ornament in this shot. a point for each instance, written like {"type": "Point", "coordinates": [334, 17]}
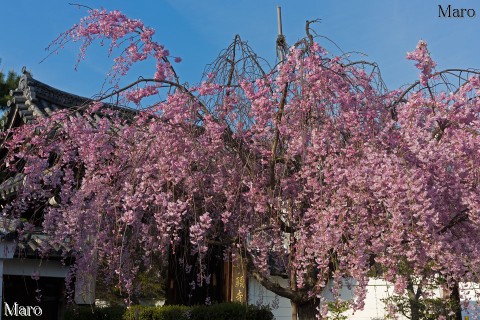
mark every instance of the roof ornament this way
{"type": "Point", "coordinates": [26, 72]}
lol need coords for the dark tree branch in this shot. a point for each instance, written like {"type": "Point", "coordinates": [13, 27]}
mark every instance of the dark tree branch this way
{"type": "Point", "coordinates": [416, 83]}
{"type": "Point", "coordinates": [299, 296]}
{"type": "Point", "coordinates": [458, 218]}
{"type": "Point", "coordinates": [276, 136]}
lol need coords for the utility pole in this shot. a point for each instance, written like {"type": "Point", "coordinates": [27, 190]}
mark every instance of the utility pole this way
{"type": "Point", "coordinates": [281, 44]}
{"type": "Point", "coordinates": [281, 38]}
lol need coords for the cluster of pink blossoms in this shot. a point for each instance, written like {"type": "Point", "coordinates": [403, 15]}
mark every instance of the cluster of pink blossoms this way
{"type": "Point", "coordinates": [117, 28]}
{"type": "Point", "coordinates": [424, 61]}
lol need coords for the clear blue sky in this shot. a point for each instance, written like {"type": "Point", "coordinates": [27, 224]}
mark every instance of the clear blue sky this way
{"type": "Point", "coordinates": [196, 30]}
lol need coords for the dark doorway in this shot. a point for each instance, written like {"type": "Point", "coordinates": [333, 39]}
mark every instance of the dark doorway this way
{"type": "Point", "coordinates": [47, 293]}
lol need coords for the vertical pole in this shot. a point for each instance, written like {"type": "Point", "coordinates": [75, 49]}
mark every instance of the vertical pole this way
{"type": "Point", "coordinates": [281, 55]}
{"type": "Point", "coordinates": [279, 20]}
{"type": "Point", "coordinates": [1, 288]}
{"type": "Point", "coordinates": [280, 38]}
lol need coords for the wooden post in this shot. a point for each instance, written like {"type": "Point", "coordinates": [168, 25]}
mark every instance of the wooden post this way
{"type": "Point", "coordinates": [227, 278]}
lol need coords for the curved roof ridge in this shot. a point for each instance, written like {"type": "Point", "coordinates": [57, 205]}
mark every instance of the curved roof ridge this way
{"type": "Point", "coordinates": [35, 90]}
{"type": "Point", "coordinates": [34, 98]}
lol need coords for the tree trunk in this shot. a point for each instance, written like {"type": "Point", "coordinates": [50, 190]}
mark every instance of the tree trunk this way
{"type": "Point", "coordinates": [307, 311]}
{"type": "Point", "coordinates": [455, 303]}
{"type": "Point", "coordinates": [414, 300]}
{"type": "Point", "coordinates": [414, 309]}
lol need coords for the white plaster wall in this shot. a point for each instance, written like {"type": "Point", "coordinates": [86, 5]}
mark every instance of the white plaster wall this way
{"type": "Point", "coordinates": [470, 290]}
{"type": "Point", "coordinates": [27, 267]}
{"type": "Point", "coordinates": [377, 290]}
{"type": "Point", "coordinates": [374, 308]}
{"type": "Point", "coordinates": [258, 295]}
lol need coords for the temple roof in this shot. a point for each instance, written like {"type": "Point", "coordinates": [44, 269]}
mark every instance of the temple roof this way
{"type": "Point", "coordinates": [10, 186]}
{"type": "Point", "coordinates": [32, 99]}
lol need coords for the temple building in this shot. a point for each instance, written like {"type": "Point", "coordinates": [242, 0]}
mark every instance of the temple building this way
{"type": "Point", "coordinates": [28, 277]}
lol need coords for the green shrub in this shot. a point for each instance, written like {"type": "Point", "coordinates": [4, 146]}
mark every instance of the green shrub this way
{"type": "Point", "coordinates": [139, 313]}
{"type": "Point", "coordinates": [171, 313]}
{"type": "Point", "coordinates": [94, 313]}
{"type": "Point", "coordinates": [221, 311]}
{"type": "Point", "coordinates": [157, 313]}
{"type": "Point", "coordinates": [259, 313]}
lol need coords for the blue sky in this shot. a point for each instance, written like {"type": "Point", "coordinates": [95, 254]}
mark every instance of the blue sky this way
{"type": "Point", "coordinates": [197, 30]}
